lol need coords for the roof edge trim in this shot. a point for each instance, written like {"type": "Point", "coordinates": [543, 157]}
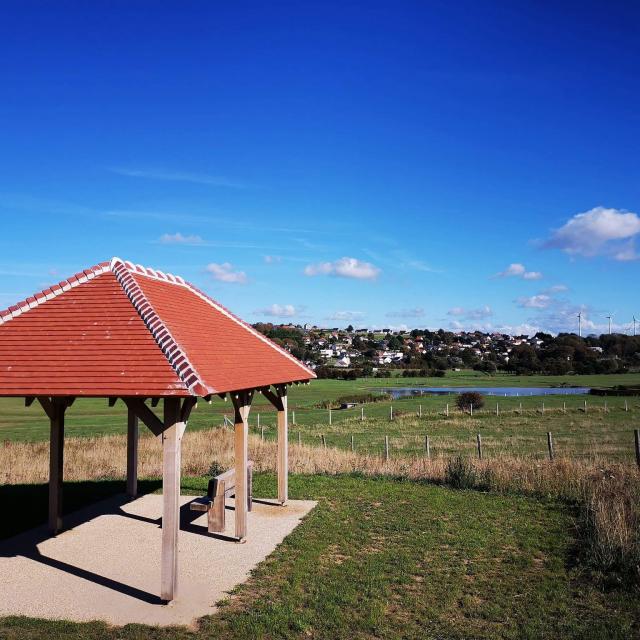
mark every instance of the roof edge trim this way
{"type": "Point", "coordinates": [170, 348]}
{"type": "Point", "coordinates": [53, 291]}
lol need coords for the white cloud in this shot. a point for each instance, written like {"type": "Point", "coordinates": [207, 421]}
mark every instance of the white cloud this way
{"type": "Point", "coordinates": [557, 288]}
{"type": "Point", "coordinates": [344, 268]}
{"type": "Point", "coordinates": [279, 311]}
{"type": "Point", "coordinates": [224, 273]}
{"type": "Point", "coordinates": [471, 314]}
{"type": "Point", "coordinates": [178, 176]}
{"type": "Point", "coordinates": [599, 232]}
{"type": "Point", "coordinates": [179, 238]}
{"type": "Point", "coordinates": [540, 301]}
{"type": "Point", "coordinates": [272, 259]}
{"type": "Point", "coordinates": [346, 315]}
{"type": "Point", "coordinates": [416, 312]}
{"type": "Point", "coordinates": [518, 270]}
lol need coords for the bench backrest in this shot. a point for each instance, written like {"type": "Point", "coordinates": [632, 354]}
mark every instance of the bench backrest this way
{"type": "Point", "coordinates": [225, 482]}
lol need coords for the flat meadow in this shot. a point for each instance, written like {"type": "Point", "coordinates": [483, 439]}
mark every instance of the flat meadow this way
{"type": "Point", "coordinates": [406, 546]}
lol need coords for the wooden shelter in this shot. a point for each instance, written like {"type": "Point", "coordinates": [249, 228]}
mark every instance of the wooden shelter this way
{"type": "Point", "coordinates": [119, 330]}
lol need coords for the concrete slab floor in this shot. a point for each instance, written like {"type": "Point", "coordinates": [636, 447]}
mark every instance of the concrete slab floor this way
{"type": "Point", "coordinates": [106, 564]}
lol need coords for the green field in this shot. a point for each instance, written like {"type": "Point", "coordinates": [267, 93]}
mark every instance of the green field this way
{"type": "Point", "coordinates": [390, 559]}
{"type": "Point", "coordinates": [598, 432]}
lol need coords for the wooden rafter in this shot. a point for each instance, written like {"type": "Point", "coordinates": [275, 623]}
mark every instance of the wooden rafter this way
{"type": "Point", "coordinates": [140, 409]}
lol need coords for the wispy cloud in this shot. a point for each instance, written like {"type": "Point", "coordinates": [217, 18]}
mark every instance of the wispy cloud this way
{"type": "Point", "coordinates": [346, 316]}
{"type": "Point", "coordinates": [225, 273]}
{"type": "Point", "coordinates": [179, 176]}
{"type": "Point", "coordinates": [471, 314]}
{"type": "Point", "coordinates": [179, 238]}
{"type": "Point", "coordinates": [540, 301]}
{"type": "Point", "coordinates": [280, 311]}
{"type": "Point", "coordinates": [598, 232]}
{"type": "Point", "coordinates": [416, 312]}
{"type": "Point", "coordinates": [272, 259]}
{"type": "Point", "coordinates": [518, 270]}
{"type": "Point", "coordinates": [344, 268]}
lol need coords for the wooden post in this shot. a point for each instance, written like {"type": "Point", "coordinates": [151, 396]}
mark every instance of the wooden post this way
{"type": "Point", "coordinates": [386, 447]}
{"type": "Point", "coordinates": [605, 407]}
{"type": "Point", "coordinates": [520, 410]}
{"type": "Point", "coordinates": [543, 407]}
{"type": "Point", "coordinates": [362, 414]}
{"type": "Point", "coordinates": [283, 447]}
{"type": "Point", "coordinates": [636, 434]}
{"type": "Point", "coordinates": [550, 445]}
{"type": "Point", "coordinates": [132, 454]}
{"type": "Point", "coordinates": [471, 409]}
{"type": "Point", "coordinates": [564, 407]}
{"type": "Point", "coordinates": [293, 418]}
{"type": "Point", "coordinates": [242, 405]}
{"type": "Point", "coordinates": [258, 425]}
{"type": "Point", "coordinates": [171, 437]}
{"type": "Point", "coordinates": [353, 444]}
{"type": "Point", "coordinates": [329, 415]}
{"type": "Point", "coordinates": [479, 439]}
{"type": "Point", "coordinates": [299, 438]}
{"type": "Point", "coordinates": [427, 446]}
{"type": "Point", "coordinates": [262, 433]}
{"type": "Point", "coordinates": [497, 409]}
{"type": "Point", "coordinates": [390, 412]}
{"type": "Point", "coordinates": [56, 464]}
{"type": "Point", "coordinates": [585, 406]}
{"type": "Point", "coordinates": [626, 406]}
{"type": "Point", "coordinates": [447, 410]}
{"type": "Point", "coordinates": [324, 441]}
{"type": "Point", "coordinates": [419, 411]}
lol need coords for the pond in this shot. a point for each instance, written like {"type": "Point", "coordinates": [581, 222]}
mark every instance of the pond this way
{"type": "Point", "coordinates": [404, 392]}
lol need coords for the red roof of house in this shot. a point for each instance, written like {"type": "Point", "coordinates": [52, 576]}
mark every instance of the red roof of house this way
{"type": "Point", "coordinates": [120, 329]}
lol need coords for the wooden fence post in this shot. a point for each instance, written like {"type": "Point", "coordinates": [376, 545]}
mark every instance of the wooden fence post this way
{"type": "Point", "coordinates": [293, 417]}
{"type": "Point", "coordinates": [259, 423]}
{"type": "Point", "coordinates": [419, 411]}
{"type": "Point", "coordinates": [262, 433]}
{"type": "Point", "coordinates": [299, 438]}
{"type": "Point", "coordinates": [636, 433]}
{"type": "Point", "coordinates": [497, 409]}
{"type": "Point", "coordinates": [585, 406]}
{"type": "Point", "coordinates": [606, 410]}
{"type": "Point", "coordinates": [543, 407]}
{"type": "Point", "coordinates": [550, 445]}
{"type": "Point", "coordinates": [391, 412]}
{"type": "Point", "coordinates": [626, 406]}
{"type": "Point", "coordinates": [386, 447]}
{"type": "Point", "coordinates": [427, 447]}
{"type": "Point", "coordinates": [361, 414]}
{"type": "Point", "coordinates": [479, 439]}
{"type": "Point", "coordinates": [353, 445]}
{"type": "Point", "coordinates": [329, 415]}
{"type": "Point", "coordinates": [447, 410]}
{"type": "Point", "coordinates": [471, 409]}
{"type": "Point", "coordinates": [564, 407]}
{"type": "Point", "coordinates": [520, 411]}
{"type": "Point", "coordinates": [324, 441]}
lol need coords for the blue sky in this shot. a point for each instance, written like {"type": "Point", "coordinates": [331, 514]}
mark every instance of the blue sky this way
{"type": "Point", "coordinates": [427, 164]}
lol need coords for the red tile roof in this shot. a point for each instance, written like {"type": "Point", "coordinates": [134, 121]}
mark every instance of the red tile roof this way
{"type": "Point", "coordinates": [120, 329]}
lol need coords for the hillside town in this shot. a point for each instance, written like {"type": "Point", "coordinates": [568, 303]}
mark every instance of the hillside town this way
{"type": "Point", "coordinates": [348, 353]}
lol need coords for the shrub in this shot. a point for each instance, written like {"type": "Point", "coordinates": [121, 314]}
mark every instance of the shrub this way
{"type": "Point", "coordinates": [460, 473]}
{"type": "Point", "coordinates": [215, 469]}
{"type": "Point", "coordinates": [468, 398]}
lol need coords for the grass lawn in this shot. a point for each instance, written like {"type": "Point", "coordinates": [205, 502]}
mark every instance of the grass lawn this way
{"type": "Point", "coordinates": [394, 559]}
{"type": "Point", "coordinates": [92, 417]}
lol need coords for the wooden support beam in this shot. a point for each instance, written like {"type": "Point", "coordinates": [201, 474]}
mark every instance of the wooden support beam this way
{"type": "Point", "coordinates": [188, 404]}
{"type": "Point", "coordinates": [132, 454]}
{"type": "Point", "coordinates": [242, 406]}
{"type": "Point", "coordinates": [112, 402]}
{"type": "Point", "coordinates": [29, 400]}
{"type": "Point", "coordinates": [145, 414]}
{"type": "Point", "coordinates": [279, 401]}
{"type": "Point", "coordinates": [47, 405]}
{"type": "Point", "coordinates": [171, 439]}
{"type": "Point", "coordinates": [283, 448]}
{"type": "Point", "coordinates": [56, 461]}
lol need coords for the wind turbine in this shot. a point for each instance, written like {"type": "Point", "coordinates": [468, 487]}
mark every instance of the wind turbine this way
{"type": "Point", "coordinates": [580, 324]}
{"type": "Point", "coordinates": [609, 318]}
{"type": "Point", "coordinates": [634, 325]}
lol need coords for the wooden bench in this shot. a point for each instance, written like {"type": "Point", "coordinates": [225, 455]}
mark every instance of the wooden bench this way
{"type": "Point", "coordinates": [220, 488]}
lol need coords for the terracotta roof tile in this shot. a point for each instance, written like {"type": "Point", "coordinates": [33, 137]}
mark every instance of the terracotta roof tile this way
{"type": "Point", "coordinates": [119, 329]}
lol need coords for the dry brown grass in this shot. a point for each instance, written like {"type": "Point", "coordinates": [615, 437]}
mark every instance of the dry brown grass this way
{"type": "Point", "coordinates": [608, 493]}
